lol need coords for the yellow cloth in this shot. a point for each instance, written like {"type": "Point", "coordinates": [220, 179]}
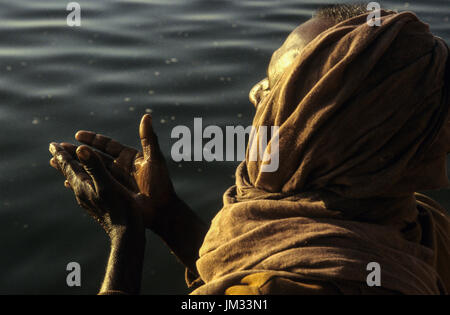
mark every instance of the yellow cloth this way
{"type": "Point", "coordinates": [363, 118]}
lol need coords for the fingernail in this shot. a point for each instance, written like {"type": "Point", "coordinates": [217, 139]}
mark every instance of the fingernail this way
{"type": "Point", "coordinates": [52, 148]}
{"type": "Point", "coordinates": [83, 154]}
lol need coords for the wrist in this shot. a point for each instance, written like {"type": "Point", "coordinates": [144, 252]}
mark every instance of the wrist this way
{"type": "Point", "coordinates": [124, 269]}
{"type": "Point", "coordinates": [127, 234]}
{"type": "Point", "coordinates": [167, 217]}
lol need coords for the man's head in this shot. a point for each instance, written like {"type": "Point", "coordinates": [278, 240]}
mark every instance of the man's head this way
{"type": "Point", "coordinates": [283, 57]}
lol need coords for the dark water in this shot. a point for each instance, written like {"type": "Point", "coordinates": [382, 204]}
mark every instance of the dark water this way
{"type": "Point", "coordinates": [180, 58]}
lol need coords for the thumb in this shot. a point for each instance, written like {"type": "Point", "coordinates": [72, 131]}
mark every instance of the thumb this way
{"type": "Point", "coordinates": [149, 141]}
{"type": "Point", "coordinates": [93, 165]}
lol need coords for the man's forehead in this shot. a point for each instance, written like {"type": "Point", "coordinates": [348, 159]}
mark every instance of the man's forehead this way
{"type": "Point", "coordinates": [308, 30]}
{"type": "Point", "coordinates": [296, 41]}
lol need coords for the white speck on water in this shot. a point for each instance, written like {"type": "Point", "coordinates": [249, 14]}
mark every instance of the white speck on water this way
{"type": "Point", "coordinates": [151, 92]}
{"type": "Point", "coordinates": [8, 68]}
{"type": "Point", "coordinates": [148, 110]}
{"type": "Point", "coordinates": [46, 118]}
{"type": "Point", "coordinates": [25, 226]}
{"type": "Point", "coordinates": [199, 170]}
{"type": "Point", "coordinates": [180, 165]}
{"type": "Point", "coordinates": [157, 73]}
{"type": "Point", "coordinates": [127, 99]}
{"type": "Point", "coordinates": [35, 121]}
{"type": "Point", "coordinates": [162, 121]}
{"type": "Point", "coordinates": [172, 117]}
{"type": "Point", "coordinates": [23, 64]}
{"type": "Point", "coordinates": [174, 60]}
{"type": "Point", "coordinates": [92, 113]}
{"type": "Point", "coordinates": [239, 115]}
{"type": "Point", "coordinates": [406, 5]}
{"type": "Point", "coordinates": [131, 109]}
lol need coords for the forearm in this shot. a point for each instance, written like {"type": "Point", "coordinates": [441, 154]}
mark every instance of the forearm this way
{"type": "Point", "coordinates": [183, 232]}
{"type": "Point", "coordinates": [124, 270]}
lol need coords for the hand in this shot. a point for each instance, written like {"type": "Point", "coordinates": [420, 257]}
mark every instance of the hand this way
{"type": "Point", "coordinates": [144, 173]}
{"type": "Point", "coordinates": [111, 204]}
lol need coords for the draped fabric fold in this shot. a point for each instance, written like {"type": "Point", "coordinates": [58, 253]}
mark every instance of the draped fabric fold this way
{"type": "Point", "coordinates": [363, 125]}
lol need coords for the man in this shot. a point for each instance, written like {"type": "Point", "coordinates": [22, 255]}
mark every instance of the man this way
{"type": "Point", "coordinates": [363, 118]}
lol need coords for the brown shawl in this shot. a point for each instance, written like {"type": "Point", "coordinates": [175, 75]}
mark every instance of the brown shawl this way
{"type": "Point", "coordinates": [363, 118]}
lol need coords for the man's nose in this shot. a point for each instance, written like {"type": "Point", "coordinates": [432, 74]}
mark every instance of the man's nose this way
{"type": "Point", "coordinates": [258, 91]}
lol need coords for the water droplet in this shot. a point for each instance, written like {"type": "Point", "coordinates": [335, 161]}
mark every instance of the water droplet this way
{"type": "Point", "coordinates": [127, 99]}
{"type": "Point", "coordinates": [163, 121]}
{"type": "Point", "coordinates": [151, 92]}
{"type": "Point", "coordinates": [148, 110]}
{"type": "Point", "coordinates": [131, 109]}
{"type": "Point", "coordinates": [35, 121]}
{"type": "Point", "coordinates": [8, 68]}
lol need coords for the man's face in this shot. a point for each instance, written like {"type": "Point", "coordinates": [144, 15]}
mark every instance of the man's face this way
{"type": "Point", "coordinates": [283, 57]}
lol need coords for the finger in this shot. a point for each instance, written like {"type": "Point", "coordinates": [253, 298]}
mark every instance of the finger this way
{"type": "Point", "coordinates": [70, 168]}
{"type": "Point", "coordinates": [69, 147]}
{"type": "Point", "coordinates": [94, 166]}
{"type": "Point", "coordinates": [108, 161]}
{"type": "Point", "coordinates": [125, 158]}
{"type": "Point", "coordinates": [53, 163]}
{"type": "Point", "coordinates": [149, 141]}
{"type": "Point", "coordinates": [67, 184]}
{"type": "Point", "coordinates": [101, 142]}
